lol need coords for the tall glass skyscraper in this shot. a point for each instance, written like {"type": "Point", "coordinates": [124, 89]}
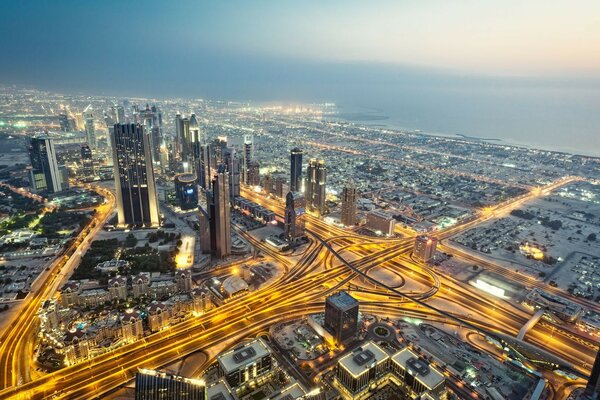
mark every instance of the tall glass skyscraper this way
{"type": "Point", "coordinates": [296, 170]}
{"type": "Point", "coordinates": [45, 175]}
{"type": "Point", "coordinates": [137, 203]}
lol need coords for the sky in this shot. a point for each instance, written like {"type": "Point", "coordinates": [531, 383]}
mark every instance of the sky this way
{"type": "Point", "coordinates": [118, 45]}
{"type": "Point", "coordinates": [510, 69]}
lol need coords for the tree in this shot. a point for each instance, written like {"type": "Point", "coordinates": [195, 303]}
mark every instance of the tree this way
{"type": "Point", "coordinates": [591, 237]}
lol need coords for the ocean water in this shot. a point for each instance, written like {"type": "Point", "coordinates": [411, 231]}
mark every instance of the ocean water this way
{"type": "Point", "coordinates": [548, 117]}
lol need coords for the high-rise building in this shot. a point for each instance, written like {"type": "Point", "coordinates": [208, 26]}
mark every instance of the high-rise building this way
{"type": "Point", "coordinates": [137, 202]}
{"type": "Point", "coordinates": [424, 249]}
{"type": "Point", "coordinates": [296, 170]}
{"type": "Point", "coordinates": [204, 166]}
{"type": "Point", "coordinates": [45, 174]}
{"type": "Point", "coordinates": [358, 370]}
{"type": "Point", "coordinates": [204, 230]}
{"type": "Point", "coordinates": [253, 173]}
{"type": "Point", "coordinates": [380, 222]}
{"type": "Point", "coordinates": [220, 214]}
{"type": "Point", "coordinates": [248, 154]}
{"type": "Point", "coordinates": [178, 136]}
{"type": "Point", "coordinates": [294, 216]}
{"type": "Point", "coordinates": [87, 162]}
{"type": "Point", "coordinates": [186, 148]}
{"type": "Point", "coordinates": [90, 130]}
{"type": "Point", "coordinates": [155, 385]}
{"type": "Point", "coordinates": [67, 124]}
{"type": "Point", "coordinates": [341, 316]}
{"type": "Point", "coordinates": [349, 205]}
{"type": "Point", "coordinates": [279, 186]}
{"type": "Point", "coordinates": [186, 191]}
{"type": "Point", "coordinates": [119, 114]}
{"type": "Point", "coordinates": [315, 185]}
{"type": "Point", "coordinates": [592, 389]}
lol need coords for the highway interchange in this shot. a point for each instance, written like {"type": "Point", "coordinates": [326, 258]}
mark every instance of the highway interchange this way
{"type": "Point", "coordinates": [333, 259]}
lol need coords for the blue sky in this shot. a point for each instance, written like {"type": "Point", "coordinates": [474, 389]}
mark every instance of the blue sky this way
{"type": "Point", "coordinates": [287, 49]}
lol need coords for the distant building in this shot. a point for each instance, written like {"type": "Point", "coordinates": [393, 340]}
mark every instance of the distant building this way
{"type": "Point", "coordinates": [158, 316]}
{"type": "Point", "coordinates": [253, 173]}
{"type": "Point", "coordinates": [349, 205]}
{"type": "Point", "coordinates": [380, 222]}
{"type": "Point", "coordinates": [314, 192]}
{"type": "Point", "coordinates": [117, 288]}
{"type": "Point", "coordinates": [204, 167]}
{"type": "Point", "coordinates": [341, 316]}
{"type": "Point", "coordinates": [154, 385]}
{"type": "Point", "coordinates": [247, 158]}
{"type": "Point", "coordinates": [67, 124]}
{"type": "Point", "coordinates": [424, 248]}
{"type": "Point", "coordinates": [87, 162]}
{"type": "Point", "coordinates": [137, 202]}
{"type": "Point", "coordinates": [90, 130]}
{"type": "Point", "coordinates": [247, 364]}
{"type": "Point", "coordinates": [280, 186]}
{"type": "Point", "coordinates": [295, 170]}
{"type": "Point", "coordinates": [294, 216]}
{"type": "Point", "coordinates": [45, 174]}
{"type": "Point", "coordinates": [186, 190]}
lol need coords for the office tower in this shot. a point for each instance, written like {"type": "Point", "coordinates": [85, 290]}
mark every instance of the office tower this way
{"type": "Point", "coordinates": [349, 205]}
{"type": "Point", "coordinates": [204, 166]}
{"type": "Point", "coordinates": [90, 131]}
{"type": "Point", "coordinates": [45, 175]}
{"type": "Point", "coordinates": [155, 385]}
{"type": "Point", "coordinates": [267, 184]}
{"type": "Point", "coordinates": [186, 191]}
{"type": "Point", "coordinates": [424, 249]}
{"type": "Point", "coordinates": [416, 378]}
{"type": "Point", "coordinates": [234, 168]}
{"type": "Point", "coordinates": [204, 230]}
{"type": "Point", "coordinates": [87, 162]}
{"type": "Point", "coordinates": [253, 173]}
{"type": "Point", "coordinates": [294, 216]}
{"type": "Point", "coordinates": [220, 213]}
{"type": "Point", "coordinates": [363, 367]}
{"type": "Point", "coordinates": [296, 170]}
{"type": "Point", "coordinates": [178, 135]}
{"type": "Point", "coordinates": [185, 137]}
{"type": "Point", "coordinates": [341, 316]}
{"type": "Point", "coordinates": [67, 124]}
{"type": "Point", "coordinates": [380, 222]}
{"type": "Point", "coordinates": [118, 114]}
{"type": "Point", "coordinates": [279, 186]}
{"type": "Point", "coordinates": [248, 154]}
{"type": "Point", "coordinates": [592, 389]}
{"type": "Point", "coordinates": [137, 203]}
{"type": "Point", "coordinates": [243, 365]}
{"type": "Point", "coordinates": [315, 185]}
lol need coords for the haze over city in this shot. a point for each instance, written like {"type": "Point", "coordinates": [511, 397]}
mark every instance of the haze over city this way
{"type": "Point", "coordinates": [337, 200]}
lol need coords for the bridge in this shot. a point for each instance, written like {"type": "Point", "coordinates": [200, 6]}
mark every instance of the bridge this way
{"type": "Point", "coordinates": [530, 324]}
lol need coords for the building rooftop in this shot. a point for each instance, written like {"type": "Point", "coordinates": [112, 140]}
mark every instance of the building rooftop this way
{"type": "Point", "coordinates": [291, 392]}
{"type": "Point", "coordinates": [342, 300]}
{"type": "Point", "coordinates": [363, 358]}
{"type": "Point", "coordinates": [420, 369]}
{"type": "Point", "coordinates": [219, 391]}
{"type": "Point", "coordinates": [243, 355]}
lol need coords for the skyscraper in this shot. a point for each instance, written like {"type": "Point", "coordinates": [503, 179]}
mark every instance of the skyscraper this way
{"type": "Point", "coordinates": [155, 385]}
{"type": "Point", "coordinates": [178, 135]}
{"type": "Point", "coordinates": [67, 124]}
{"type": "Point", "coordinates": [45, 175]}
{"type": "Point", "coordinates": [349, 205]}
{"type": "Point", "coordinates": [137, 203]}
{"type": "Point", "coordinates": [220, 214]}
{"type": "Point", "coordinates": [296, 170]}
{"type": "Point", "coordinates": [253, 173]}
{"type": "Point", "coordinates": [187, 191]}
{"type": "Point", "coordinates": [204, 166]}
{"type": "Point", "coordinates": [592, 389]}
{"type": "Point", "coordinates": [90, 130]}
{"type": "Point", "coordinates": [87, 162]}
{"type": "Point", "coordinates": [119, 114]}
{"type": "Point", "coordinates": [187, 143]}
{"type": "Point", "coordinates": [315, 185]}
{"type": "Point", "coordinates": [294, 216]}
{"type": "Point", "coordinates": [424, 249]}
{"type": "Point", "coordinates": [248, 154]}
{"type": "Point", "coordinates": [341, 316]}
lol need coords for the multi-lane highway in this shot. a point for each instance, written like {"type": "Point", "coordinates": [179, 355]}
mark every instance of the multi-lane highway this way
{"type": "Point", "coordinates": [301, 290]}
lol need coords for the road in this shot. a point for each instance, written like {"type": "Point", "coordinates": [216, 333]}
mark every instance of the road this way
{"type": "Point", "coordinates": [300, 291]}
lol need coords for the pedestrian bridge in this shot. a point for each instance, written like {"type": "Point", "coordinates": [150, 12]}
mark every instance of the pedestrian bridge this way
{"type": "Point", "coordinates": [530, 324]}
